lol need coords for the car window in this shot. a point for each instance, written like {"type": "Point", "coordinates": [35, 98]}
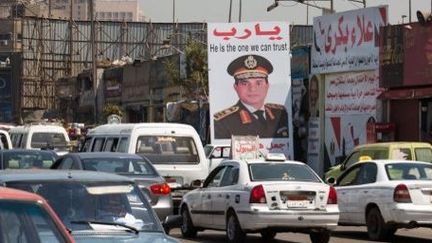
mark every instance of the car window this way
{"type": "Point", "coordinates": [97, 144]}
{"type": "Point", "coordinates": [423, 154]}
{"type": "Point", "coordinates": [122, 147]}
{"type": "Point", "coordinates": [86, 146]}
{"type": "Point", "coordinates": [349, 178]}
{"type": "Point", "coordinates": [19, 219]}
{"type": "Point", "coordinates": [27, 159]}
{"type": "Point", "coordinates": [408, 171]}
{"type": "Point", "coordinates": [353, 158]}
{"type": "Point", "coordinates": [16, 139]}
{"type": "Point", "coordinates": [401, 153]}
{"type": "Point", "coordinates": [110, 145]}
{"type": "Point", "coordinates": [119, 166]}
{"type": "Point", "coordinates": [66, 164]}
{"type": "Point", "coordinates": [367, 174]}
{"type": "Point", "coordinates": [48, 140]}
{"type": "Point", "coordinates": [230, 176]}
{"type": "Point", "coordinates": [376, 153]}
{"type": "Point", "coordinates": [3, 142]}
{"type": "Point", "coordinates": [214, 179]}
{"type": "Point", "coordinates": [281, 172]}
{"type": "Point", "coordinates": [168, 149]}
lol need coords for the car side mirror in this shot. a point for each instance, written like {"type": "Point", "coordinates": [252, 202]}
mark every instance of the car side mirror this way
{"type": "Point", "coordinates": [196, 184]}
{"type": "Point", "coordinates": [331, 181]}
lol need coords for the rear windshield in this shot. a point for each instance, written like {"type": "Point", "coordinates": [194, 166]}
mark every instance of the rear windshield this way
{"type": "Point", "coordinates": [409, 171]}
{"type": "Point", "coordinates": [28, 159]}
{"type": "Point", "coordinates": [168, 149]}
{"type": "Point", "coordinates": [119, 165]}
{"type": "Point", "coordinates": [281, 172]}
{"type": "Point", "coordinates": [48, 140]}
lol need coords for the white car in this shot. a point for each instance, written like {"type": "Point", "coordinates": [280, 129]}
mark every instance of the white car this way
{"type": "Point", "coordinates": [386, 195]}
{"type": "Point", "coordinates": [261, 196]}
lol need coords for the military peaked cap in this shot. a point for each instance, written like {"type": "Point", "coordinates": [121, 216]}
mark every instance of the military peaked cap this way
{"type": "Point", "coordinates": [250, 66]}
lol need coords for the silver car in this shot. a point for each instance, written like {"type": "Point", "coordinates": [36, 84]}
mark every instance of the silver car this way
{"type": "Point", "coordinates": [133, 166]}
{"type": "Point", "coordinates": [94, 206]}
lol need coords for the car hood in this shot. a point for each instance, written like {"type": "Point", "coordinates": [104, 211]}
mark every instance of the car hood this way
{"type": "Point", "coordinates": [120, 236]}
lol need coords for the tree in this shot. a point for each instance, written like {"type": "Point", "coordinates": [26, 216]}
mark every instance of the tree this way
{"type": "Point", "coordinates": [195, 85]}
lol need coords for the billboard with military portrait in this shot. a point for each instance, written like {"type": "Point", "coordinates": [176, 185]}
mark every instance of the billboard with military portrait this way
{"type": "Point", "coordinates": [250, 83]}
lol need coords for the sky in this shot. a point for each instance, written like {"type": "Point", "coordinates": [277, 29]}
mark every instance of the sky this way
{"type": "Point", "coordinates": [256, 10]}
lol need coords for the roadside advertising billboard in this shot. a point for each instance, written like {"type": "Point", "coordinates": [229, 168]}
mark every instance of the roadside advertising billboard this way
{"type": "Point", "coordinates": [350, 111]}
{"type": "Point", "coordinates": [250, 83]}
{"type": "Point", "coordinates": [347, 41]}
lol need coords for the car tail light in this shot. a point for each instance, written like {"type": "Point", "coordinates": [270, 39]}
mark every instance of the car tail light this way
{"type": "Point", "coordinates": [332, 198]}
{"type": "Point", "coordinates": [401, 194]}
{"type": "Point", "coordinates": [160, 189]}
{"type": "Point", "coordinates": [257, 195]}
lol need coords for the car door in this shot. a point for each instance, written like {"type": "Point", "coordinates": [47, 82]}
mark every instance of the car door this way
{"type": "Point", "coordinates": [364, 191]}
{"type": "Point", "coordinates": [345, 193]}
{"type": "Point", "coordinates": [203, 210]}
{"type": "Point", "coordinates": [224, 194]}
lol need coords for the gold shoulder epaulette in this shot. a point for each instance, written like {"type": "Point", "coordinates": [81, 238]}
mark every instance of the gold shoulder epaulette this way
{"type": "Point", "coordinates": [275, 106]}
{"type": "Point", "coordinates": [225, 113]}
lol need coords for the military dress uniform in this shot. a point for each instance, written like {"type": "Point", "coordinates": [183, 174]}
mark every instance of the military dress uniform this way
{"type": "Point", "coordinates": [271, 121]}
{"type": "Point", "coordinates": [238, 120]}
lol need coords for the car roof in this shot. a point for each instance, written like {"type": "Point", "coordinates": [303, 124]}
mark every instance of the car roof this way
{"type": "Point", "coordinates": [391, 161]}
{"type": "Point", "coordinates": [27, 151]}
{"type": "Point", "coordinates": [90, 155]}
{"type": "Point", "coordinates": [388, 144]}
{"type": "Point", "coordinates": [64, 175]}
{"type": "Point", "coordinates": [14, 194]}
{"type": "Point", "coordinates": [260, 161]}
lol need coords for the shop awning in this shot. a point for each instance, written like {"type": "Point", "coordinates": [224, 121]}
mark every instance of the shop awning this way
{"type": "Point", "coordinates": [410, 93]}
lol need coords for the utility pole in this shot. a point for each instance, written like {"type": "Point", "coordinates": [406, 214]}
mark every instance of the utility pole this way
{"type": "Point", "coordinates": [240, 11]}
{"type": "Point", "coordinates": [71, 37]}
{"type": "Point", "coordinates": [409, 9]}
{"type": "Point", "coordinates": [230, 9]}
{"type": "Point", "coordinates": [173, 6]}
{"type": "Point", "coordinates": [94, 58]}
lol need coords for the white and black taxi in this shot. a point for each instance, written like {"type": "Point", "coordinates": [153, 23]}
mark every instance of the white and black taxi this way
{"type": "Point", "coordinates": [386, 195]}
{"type": "Point", "coordinates": [265, 196]}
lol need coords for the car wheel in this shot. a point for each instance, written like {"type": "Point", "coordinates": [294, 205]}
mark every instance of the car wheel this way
{"type": "Point", "coordinates": [268, 235]}
{"type": "Point", "coordinates": [187, 228]}
{"type": "Point", "coordinates": [376, 227]}
{"type": "Point", "coordinates": [233, 230]}
{"type": "Point", "coordinates": [320, 237]}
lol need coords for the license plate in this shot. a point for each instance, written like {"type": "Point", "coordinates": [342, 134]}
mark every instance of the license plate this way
{"type": "Point", "coordinates": [298, 204]}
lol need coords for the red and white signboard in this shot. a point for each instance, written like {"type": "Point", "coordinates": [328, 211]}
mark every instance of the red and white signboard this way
{"type": "Point", "coordinates": [347, 41]}
{"type": "Point", "coordinates": [350, 111]}
{"type": "Point", "coordinates": [255, 44]}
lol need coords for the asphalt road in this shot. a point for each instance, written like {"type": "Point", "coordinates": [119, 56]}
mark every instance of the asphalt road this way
{"type": "Point", "coordinates": [341, 235]}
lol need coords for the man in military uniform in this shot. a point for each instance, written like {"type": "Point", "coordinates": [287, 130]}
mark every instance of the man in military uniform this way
{"type": "Point", "coordinates": [250, 115]}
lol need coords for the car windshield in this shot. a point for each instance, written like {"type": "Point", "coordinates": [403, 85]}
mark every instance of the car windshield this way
{"type": "Point", "coordinates": [281, 172]}
{"type": "Point", "coordinates": [409, 171]}
{"type": "Point", "coordinates": [88, 205]}
{"type": "Point", "coordinates": [48, 140]}
{"type": "Point", "coordinates": [124, 166]}
{"type": "Point", "coordinates": [28, 159]}
{"type": "Point", "coordinates": [18, 220]}
{"type": "Point", "coordinates": [168, 149]}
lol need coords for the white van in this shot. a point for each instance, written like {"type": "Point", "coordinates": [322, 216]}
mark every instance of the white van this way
{"type": "Point", "coordinates": [5, 141]}
{"type": "Point", "coordinates": [40, 136]}
{"type": "Point", "coordinates": [174, 149]}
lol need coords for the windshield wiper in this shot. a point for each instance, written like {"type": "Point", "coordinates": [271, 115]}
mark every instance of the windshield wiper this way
{"type": "Point", "coordinates": [135, 230]}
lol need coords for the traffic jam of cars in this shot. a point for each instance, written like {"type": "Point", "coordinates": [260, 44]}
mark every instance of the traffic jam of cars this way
{"type": "Point", "coordinates": [115, 188]}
